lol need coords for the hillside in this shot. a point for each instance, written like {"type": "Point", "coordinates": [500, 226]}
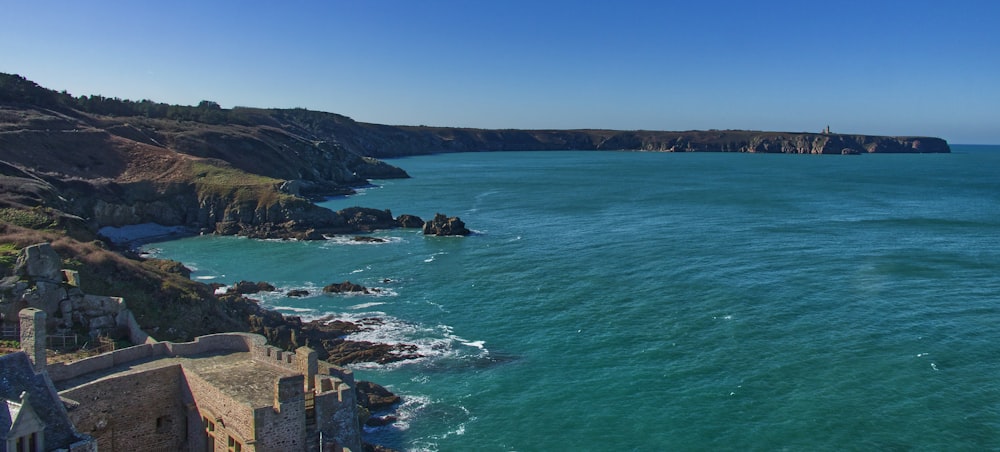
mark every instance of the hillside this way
{"type": "Point", "coordinates": [71, 165]}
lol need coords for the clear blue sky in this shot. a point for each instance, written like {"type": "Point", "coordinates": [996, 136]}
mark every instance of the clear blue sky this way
{"type": "Point", "coordinates": [876, 67]}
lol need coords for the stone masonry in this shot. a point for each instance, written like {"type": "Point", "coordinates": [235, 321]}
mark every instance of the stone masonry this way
{"type": "Point", "coordinates": [221, 392]}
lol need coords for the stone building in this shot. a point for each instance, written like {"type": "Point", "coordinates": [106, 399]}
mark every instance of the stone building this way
{"type": "Point", "coordinates": [32, 416]}
{"type": "Point", "coordinates": [221, 392]}
{"type": "Point", "coordinates": [226, 392]}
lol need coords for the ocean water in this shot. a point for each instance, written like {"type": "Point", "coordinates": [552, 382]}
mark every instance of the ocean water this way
{"type": "Point", "coordinates": [653, 301]}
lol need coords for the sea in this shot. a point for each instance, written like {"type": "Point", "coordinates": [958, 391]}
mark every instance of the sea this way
{"type": "Point", "coordinates": [635, 301]}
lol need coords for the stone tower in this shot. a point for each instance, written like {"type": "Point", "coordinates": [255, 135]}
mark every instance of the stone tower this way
{"type": "Point", "coordinates": [33, 336]}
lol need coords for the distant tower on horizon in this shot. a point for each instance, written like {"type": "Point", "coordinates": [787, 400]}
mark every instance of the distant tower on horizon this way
{"type": "Point", "coordinates": [827, 130]}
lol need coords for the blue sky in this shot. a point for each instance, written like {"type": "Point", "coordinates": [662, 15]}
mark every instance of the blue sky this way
{"type": "Point", "coordinates": [874, 67]}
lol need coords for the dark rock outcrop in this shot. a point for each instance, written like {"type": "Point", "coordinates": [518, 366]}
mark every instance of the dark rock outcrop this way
{"type": "Point", "coordinates": [346, 287]}
{"type": "Point", "coordinates": [443, 225]}
{"type": "Point", "coordinates": [297, 293]}
{"type": "Point", "coordinates": [368, 239]}
{"type": "Point", "coordinates": [365, 219]}
{"type": "Point", "coordinates": [248, 287]}
{"type": "Point", "coordinates": [374, 397]}
{"type": "Point", "coordinates": [409, 221]}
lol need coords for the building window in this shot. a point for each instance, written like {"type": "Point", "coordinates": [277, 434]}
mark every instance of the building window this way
{"type": "Point", "coordinates": [28, 443]}
{"type": "Point", "coordinates": [209, 434]}
{"type": "Point", "coordinates": [163, 424]}
{"type": "Point", "coordinates": [234, 445]}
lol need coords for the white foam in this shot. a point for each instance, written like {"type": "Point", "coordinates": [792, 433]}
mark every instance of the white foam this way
{"type": "Point", "coordinates": [432, 343]}
{"type": "Point", "coordinates": [205, 278]}
{"type": "Point", "coordinates": [292, 308]}
{"type": "Point", "coordinates": [366, 305]}
{"type": "Point", "coordinates": [477, 344]}
{"type": "Point", "coordinates": [349, 240]}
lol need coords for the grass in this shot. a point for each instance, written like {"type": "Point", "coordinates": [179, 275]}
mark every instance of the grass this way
{"type": "Point", "coordinates": [8, 257]}
{"type": "Point", "coordinates": [34, 218]}
{"type": "Point", "coordinates": [240, 186]}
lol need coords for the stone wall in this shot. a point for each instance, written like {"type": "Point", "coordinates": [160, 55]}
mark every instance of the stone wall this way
{"type": "Point", "coordinates": [230, 417]}
{"type": "Point", "coordinates": [241, 342]}
{"type": "Point", "coordinates": [337, 412]}
{"type": "Point", "coordinates": [134, 398]}
{"type": "Point", "coordinates": [283, 427]}
{"type": "Point", "coordinates": [138, 411]}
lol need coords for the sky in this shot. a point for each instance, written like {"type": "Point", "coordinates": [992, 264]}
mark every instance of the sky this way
{"type": "Point", "coordinates": [875, 67]}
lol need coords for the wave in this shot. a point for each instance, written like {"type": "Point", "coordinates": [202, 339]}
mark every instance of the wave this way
{"type": "Point", "coordinates": [350, 241]}
{"type": "Point", "coordinates": [434, 256]}
{"type": "Point", "coordinates": [292, 309]}
{"type": "Point", "coordinates": [437, 345]}
{"type": "Point", "coordinates": [366, 305]}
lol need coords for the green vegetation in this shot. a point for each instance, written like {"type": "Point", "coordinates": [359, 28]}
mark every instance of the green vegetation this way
{"type": "Point", "coordinates": [240, 186]}
{"type": "Point", "coordinates": [8, 257]}
{"type": "Point", "coordinates": [34, 218]}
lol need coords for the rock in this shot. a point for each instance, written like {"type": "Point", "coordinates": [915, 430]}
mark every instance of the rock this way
{"type": "Point", "coordinates": [442, 225]}
{"type": "Point", "coordinates": [247, 287]}
{"type": "Point", "coordinates": [367, 239]}
{"type": "Point", "coordinates": [380, 421]}
{"type": "Point", "coordinates": [374, 396]}
{"type": "Point", "coordinates": [39, 262]}
{"type": "Point", "coordinates": [410, 221]}
{"type": "Point", "coordinates": [365, 219]}
{"type": "Point", "coordinates": [345, 287]}
{"type": "Point", "coordinates": [297, 293]}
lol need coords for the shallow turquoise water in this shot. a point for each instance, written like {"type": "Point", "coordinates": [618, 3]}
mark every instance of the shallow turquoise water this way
{"type": "Point", "coordinates": [648, 301]}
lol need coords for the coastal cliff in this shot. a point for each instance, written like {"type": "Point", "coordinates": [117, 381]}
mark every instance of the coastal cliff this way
{"type": "Point", "coordinates": [72, 165]}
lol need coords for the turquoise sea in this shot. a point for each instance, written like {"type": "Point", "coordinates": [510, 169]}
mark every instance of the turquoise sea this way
{"type": "Point", "coordinates": [655, 301]}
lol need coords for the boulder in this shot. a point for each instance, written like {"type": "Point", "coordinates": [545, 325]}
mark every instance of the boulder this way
{"type": "Point", "coordinates": [247, 287]}
{"type": "Point", "coordinates": [443, 225]}
{"type": "Point", "coordinates": [374, 396]}
{"type": "Point", "coordinates": [345, 287]}
{"type": "Point", "coordinates": [39, 262]}
{"type": "Point", "coordinates": [297, 293]}
{"type": "Point", "coordinates": [365, 219]}
{"type": "Point", "coordinates": [367, 239]}
{"type": "Point", "coordinates": [410, 221]}
{"type": "Point", "coordinates": [380, 421]}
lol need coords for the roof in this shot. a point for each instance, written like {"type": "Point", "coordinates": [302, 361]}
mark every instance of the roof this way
{"type": "Point", "coordinates": [18, 376]}
{"type": "Point", "coordinates": [234, 373]}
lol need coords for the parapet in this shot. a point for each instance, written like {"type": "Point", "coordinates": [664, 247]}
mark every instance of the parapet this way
{"type": "Point", "coordinates": [235, 342]}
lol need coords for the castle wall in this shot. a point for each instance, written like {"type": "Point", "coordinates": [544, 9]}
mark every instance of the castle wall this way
{"type": "Point", "coordinates": [163, 408]}
{"type": "Point", "coordinates": [230, 417]}
{"type": "Point", "coordinates": [138, 411]}
{"type": "Point", "coordinates": [241, 342]}
{"type": "Point", "coordinates": [337, 412]}
{"type": "Point", "coordinates": [283, 427]}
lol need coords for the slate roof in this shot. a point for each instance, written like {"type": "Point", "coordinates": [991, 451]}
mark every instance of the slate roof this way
{"type": "Point", "coordinates": [17, 376]}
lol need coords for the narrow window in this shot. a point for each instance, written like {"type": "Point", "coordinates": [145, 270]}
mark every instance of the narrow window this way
{"type": "Point", "coordinates": [234, 445]}
{"type": "Point", "coordinates": [163, 424]}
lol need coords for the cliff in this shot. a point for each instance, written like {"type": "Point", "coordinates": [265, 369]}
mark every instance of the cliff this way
{"type": "Point", "coordinates": [71, 165]}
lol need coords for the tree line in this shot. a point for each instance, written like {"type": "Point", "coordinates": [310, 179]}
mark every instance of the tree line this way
{"type": "Point", "coordinates": [17, 89]}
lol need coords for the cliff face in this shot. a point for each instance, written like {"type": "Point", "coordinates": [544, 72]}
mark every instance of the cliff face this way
{"type": "Point", "coordinates": [252, 171]}
{"type": "Point", "coordinates": [419, 140]}
{"type": "Point", "coordinates": [223, 178]}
